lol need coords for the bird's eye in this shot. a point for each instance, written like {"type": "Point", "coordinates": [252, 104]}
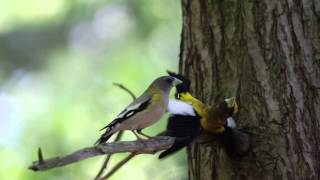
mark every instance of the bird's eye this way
{"type": "Point", "coordinates": [169, 80]}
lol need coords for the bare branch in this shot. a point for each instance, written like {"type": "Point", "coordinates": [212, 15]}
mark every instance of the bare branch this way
{"type": "Point", "coordinates": [120, 164]}
{"type": "Point", "coordinates": [148, 146]}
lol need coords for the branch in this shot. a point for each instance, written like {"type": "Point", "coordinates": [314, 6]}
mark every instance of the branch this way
{"type": "Point", "coordinates": [118, 166]}
{"type": "Point", "coordinates": [125, 89]}
{"type": "Point", "coordinates": [149, 146]}
{"type": "Point", "coordinates": [106, 161]}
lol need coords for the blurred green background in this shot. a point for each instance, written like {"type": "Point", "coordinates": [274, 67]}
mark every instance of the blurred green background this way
{"type": "Point", "coordinates": [58, 60]}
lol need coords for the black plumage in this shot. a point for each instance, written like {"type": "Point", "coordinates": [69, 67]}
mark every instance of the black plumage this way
{"type": "Point", "coordinates": [185, 129]}
{"type": "Point", "coordinates": [126, 114]}
{"type": "Point", "coordinates": [236, 142]}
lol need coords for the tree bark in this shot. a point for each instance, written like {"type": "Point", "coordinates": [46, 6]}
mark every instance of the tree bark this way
{"type": "Point", "coordinates": [267, 53]}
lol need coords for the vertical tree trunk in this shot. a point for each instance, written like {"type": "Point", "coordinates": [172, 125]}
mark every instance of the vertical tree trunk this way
{"type": "Point", "coordinates": [268, 54]}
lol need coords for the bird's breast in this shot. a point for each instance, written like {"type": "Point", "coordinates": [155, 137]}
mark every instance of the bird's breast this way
{"type": "Point", "coordinates": [152, 117]}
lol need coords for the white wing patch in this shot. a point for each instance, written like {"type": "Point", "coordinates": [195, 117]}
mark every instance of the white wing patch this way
{"type": "Point", "coordinates": [231, 122]}
{"type": "Point", "coordinates": [179, 107]}
{"type": "Point", "coordinates": [129, 108]}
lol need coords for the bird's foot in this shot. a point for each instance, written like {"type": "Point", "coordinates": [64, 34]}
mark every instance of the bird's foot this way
{"type": "Point", "coordinates": [143, 134]}
{"type": "Point", "coordinates": [138, 137]}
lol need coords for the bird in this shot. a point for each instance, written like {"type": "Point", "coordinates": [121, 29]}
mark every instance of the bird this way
{"type": "Point", "coordinates": [143, 112]}
{"type": "Point", "coordinates": [213, 118]}
{"type": "Point", "coordinates": [236, 143]}
{"type": "Point", "coordinates": [186, 125]}
{"type": "Point", "coordinates": [183, 124]}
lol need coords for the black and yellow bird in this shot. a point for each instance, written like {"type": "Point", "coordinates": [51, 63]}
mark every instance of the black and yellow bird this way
{"type": "Point", "coordinates": [186, 125]}
{"type": "Point", "coordinates": [183, 124]}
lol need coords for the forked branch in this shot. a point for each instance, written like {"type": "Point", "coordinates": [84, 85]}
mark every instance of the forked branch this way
{"type": "Point", "coordinates": [148, 146]}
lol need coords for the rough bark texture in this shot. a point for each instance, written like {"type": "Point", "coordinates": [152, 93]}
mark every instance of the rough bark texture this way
{"type": "Point", "coordinates": [267, 52]}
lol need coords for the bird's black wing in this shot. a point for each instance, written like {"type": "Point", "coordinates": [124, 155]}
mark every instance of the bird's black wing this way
{"type": "Point", "coordinates": [185, 129]}
{"type": "Point", "coordinates": [130, 111]}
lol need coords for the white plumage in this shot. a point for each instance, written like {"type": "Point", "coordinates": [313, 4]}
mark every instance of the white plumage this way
{"type": "Point", "coordinates": [231, 122]}
{"type": "Point", "coordinates": [179, 107]}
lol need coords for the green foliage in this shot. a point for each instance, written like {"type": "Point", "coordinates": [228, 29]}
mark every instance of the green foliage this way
{"type": "Point", "coordinates": [58, 60]}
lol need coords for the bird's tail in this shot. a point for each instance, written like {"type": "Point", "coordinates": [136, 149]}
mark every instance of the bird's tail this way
{"type": "Point", "coordinates": [184, 128]}
{"type": "Point", "coordinates": [106, 135]}
{"type": "Point", "coordinates": [104, 138]}
{"type": "Point", "coordinates": [236, 142]}
{"type": "Point", "coordinates": [178, 144]}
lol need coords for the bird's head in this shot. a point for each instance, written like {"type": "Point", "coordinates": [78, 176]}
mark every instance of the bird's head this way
{"type": "Point", "coordinates": [165, 83]}
{"type": "Point", "coordinates": [231, 105]}
{"type": "Point", "coordinates": [184, 86]}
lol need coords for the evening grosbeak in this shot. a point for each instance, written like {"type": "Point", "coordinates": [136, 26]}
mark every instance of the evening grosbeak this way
{"type": "Point", "coordinates": [144, 111]}
{"type": "Point", "coordinates": [213, 118]}
{"type": "Point", "coordinates": [216, 120]}
{"type": "Point", "coordinates": [184, 124]}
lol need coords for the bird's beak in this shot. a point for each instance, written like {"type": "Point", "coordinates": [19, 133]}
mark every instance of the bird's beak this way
{"type": "Point", "coordinates": [229, 102]}
{"type": "Point", "coordinates": [176, 82]}
{"type": "Point", "coordinates": [235, 106]}
{"type": "Point", "coordinates": [232, 103]}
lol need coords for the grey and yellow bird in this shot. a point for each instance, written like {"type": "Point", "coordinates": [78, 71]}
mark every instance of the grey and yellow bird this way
{"type": "Point", "coordinates": [144, 111]}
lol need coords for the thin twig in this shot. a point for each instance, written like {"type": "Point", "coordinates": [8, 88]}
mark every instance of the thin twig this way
{"type": "Point", "coordinates": [118, 166]}
{"type": "Point", "coordinates": [121, 163]}
{"type": "Point", "coordinates": [119, 135]}
{"type": "Point", "coordinates": [106, 161]}
{"type": "Point", "coordinates": [148, 146]}
{"type": "Point", "coordinates": [40, 156]}
{"type": "Point", "coordinates": [126, 89]}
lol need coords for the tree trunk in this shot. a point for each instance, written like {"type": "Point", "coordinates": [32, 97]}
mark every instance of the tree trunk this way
{"type": "Point", "coordinates": [267, 53]}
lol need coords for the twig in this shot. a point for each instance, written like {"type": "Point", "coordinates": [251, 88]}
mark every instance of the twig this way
{"type": "Point", "coordinates": [119, 135]}
{"type": "Point", "coordinates": [121, 163]}
{"type": "Point", "coordinates": [106, 161]}
{"type": "Point", "coordinates": [118, 166]}
{"type": "Point", "coordinates": [40, 156]}
{"type": "Point", "coordinates": [148, 146]}
{"type": "Point", "coordinates": [126, 89]}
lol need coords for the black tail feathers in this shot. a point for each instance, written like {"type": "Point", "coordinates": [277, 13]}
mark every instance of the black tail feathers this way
{"type": "Point", "coordinates": [178, 144]}
{"type": "Point", "coordinates": [185, 129]}
{"type": "Point", "coordinates": [108, 132]}
{"type": "Point", "coordinates": [104, 138]}
{"type": "Point", "coordinates": [236, 142]}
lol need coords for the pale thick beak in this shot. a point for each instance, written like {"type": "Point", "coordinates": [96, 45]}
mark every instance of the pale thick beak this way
{"type": "Point", "coordinates": [176, 82]}
{"type": "Point", "coordinates": [236, 107]}
{"type": "Point", "coordinates": [232, 103]}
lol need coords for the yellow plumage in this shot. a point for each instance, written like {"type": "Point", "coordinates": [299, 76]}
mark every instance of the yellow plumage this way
{"type": "Point", "coordinates": [211, 121]}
